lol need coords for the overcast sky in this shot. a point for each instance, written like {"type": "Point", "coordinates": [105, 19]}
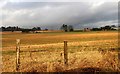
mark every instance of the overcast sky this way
{"type": "Point", "coordinates": [53, 14]}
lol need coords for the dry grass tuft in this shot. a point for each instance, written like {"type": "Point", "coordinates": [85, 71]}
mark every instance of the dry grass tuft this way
{"type": "Point", "coordinates": [82, 62]}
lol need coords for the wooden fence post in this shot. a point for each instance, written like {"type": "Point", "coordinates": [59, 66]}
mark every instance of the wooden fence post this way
{"type": "Point", "coordinates": [17, 54]}
{"type": "Point", "coordinates": [65, 54]}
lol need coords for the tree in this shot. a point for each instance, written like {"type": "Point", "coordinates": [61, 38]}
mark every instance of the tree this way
{"type": "Point", "coordinates": [113, 26]}
{"type": "Point", "coordinates": [38, 28]}
{"type": "Point", "coordinates": [26, 30]}
{"type": "Point", "coordinates": [70, 28]}
{"type": "Point", "coordinates": [3, 28]}
{"type": "Point", "coordinates": [34, 29]}
{"type": "Point", "coordinates": [108, 27]}
{"type": "Point", "coordinates": [96, 29]}
{"type": "Point", "coordinates": [64, 27]}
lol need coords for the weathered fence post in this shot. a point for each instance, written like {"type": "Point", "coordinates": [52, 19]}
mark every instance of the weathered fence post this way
{"type": "Point", "coordinates": [65, 54]}
{"type": "Point", "coordinates": [18, 54]}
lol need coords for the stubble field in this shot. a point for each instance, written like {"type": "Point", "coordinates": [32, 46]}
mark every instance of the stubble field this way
{"type": "Point", "coordinates": [87, 51]}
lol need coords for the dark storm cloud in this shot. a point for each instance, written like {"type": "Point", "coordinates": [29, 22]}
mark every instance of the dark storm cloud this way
{"type": "Point", "coordinates": [49, 14]}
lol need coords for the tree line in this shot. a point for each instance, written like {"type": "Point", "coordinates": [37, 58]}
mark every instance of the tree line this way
{"type": "Point", "coordinates": [64, 27]}
{"type": "Point", "coordinates": [107, 27]}
{"type": "Point", "coordinates": [69, 28]}
{"type": "Point", "coordinates": [16, 28]}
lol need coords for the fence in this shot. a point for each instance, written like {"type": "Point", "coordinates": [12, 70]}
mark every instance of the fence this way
{"type": "Point", "coordinates": [106, 54]}
{"type": "Point", "coordinates": [18, 55]}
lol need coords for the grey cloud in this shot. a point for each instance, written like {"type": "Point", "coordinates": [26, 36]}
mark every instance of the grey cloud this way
{"type": "Point", "coordinates": [48, 14]}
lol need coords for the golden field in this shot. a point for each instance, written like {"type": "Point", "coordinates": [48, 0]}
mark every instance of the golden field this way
{"type": "Point", "coordinates": [86, 50]}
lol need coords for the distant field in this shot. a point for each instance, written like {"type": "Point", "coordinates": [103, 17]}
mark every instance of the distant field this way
{"type": "Point", "coordinates": [85, 49]}
{"type": "Point", "coordinates": [9, 39]}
